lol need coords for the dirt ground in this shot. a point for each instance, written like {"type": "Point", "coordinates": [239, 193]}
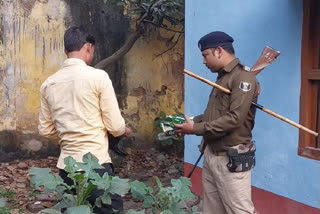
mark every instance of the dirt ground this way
{"type": "Point", "coordinates": [137, 165]}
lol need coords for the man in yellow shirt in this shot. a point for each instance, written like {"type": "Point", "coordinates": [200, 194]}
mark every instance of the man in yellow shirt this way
{"type": "Point", "coordinates": [78, 105]}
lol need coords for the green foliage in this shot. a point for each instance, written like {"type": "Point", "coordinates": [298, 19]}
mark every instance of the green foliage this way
{"type": "Point", "coordinates": [3, 209]}
{"type": "Point", "coordinates": [6, 193]}
{"type": "Point", "coordinates": [85, 180]}
{"type": "Point", "coordinates": [83, 209]}
{"type": "Point", "coordinates": [156, 12]}
{"type": "Point", "coordinates": [136, 212]}
{"type": "Point", "coordinates": [33, 194]}
{"type": "Point", "coordinates": [169, 200]}
{"type": "Point", "coordinates": [50, 211]}
{"type": "Point", "coordinates": [2, 202]}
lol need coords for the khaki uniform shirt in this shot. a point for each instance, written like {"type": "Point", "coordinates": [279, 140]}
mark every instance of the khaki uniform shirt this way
{"type": "Point", "coordinates": [79, 106]}
{"type": "Point", "coordinates": [229, 119]}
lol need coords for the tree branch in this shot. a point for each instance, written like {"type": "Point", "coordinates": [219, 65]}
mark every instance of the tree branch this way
{"type": "Point", "coordinates": [164, 27]}
{"type": "Point", "coordinates": [170, 48]}
{"type": "Point", "coordinates": [134, 36]}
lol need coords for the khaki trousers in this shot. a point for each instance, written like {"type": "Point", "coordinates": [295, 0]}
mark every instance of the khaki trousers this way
{"type": "Point", "coordinates": [225, 192]}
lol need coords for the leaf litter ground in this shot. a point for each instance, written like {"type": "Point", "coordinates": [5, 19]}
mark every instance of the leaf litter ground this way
{"type": "Point", "coordinates": [138, 165]}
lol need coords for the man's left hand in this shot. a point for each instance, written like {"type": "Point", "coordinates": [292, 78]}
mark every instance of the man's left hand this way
{"type": "Point", "coordinates": [185, 128]}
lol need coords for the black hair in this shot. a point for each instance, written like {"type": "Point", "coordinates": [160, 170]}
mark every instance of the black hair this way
{"type": "Point", "coordinates": [75, 37]}
{"type": "Point", "coordinates": [229, 48]}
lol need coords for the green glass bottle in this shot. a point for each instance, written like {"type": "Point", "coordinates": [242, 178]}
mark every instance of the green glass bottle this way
{"type": "Point", "coordinates": [168, 128]}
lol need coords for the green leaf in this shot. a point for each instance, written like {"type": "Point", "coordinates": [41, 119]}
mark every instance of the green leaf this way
{"type": "Point", "coordinates": [88, 190]}
{"type": "Point", "coordinates": [4, 211]}
{"type": "Point", "coordinates": [103, 182]}
{"type": "Point", "coordinates": [98, 202]}
{"type": "Point", "coordinates": [42, 177]}
{"type": "Point", "coordinates": [8, 194]}
{"type": "Point", "coordinates": [135, 212]}
{"type": "Point", "coordinates": [119, 186]}
{"type": "Point", "coordinates": [90, 162]}
{"type": "Point", "coordinates": [70, 165]}
{"type": "Point", "coordinates": [167, 212]}
{"type": "Point", "coordinates": [194, 210]}
{"type": "Point", "coordinates": [140, 191]}
{"type": "Point", "coordinates": [60, 190]}
{"type": "Point", "coordinates": [163, 200]}
{"type": "Point", "coordinates": [172, 198]}
{"type": "Point", "coordinates": [38, 175]}
{"type": "Point", "coordinates": [94, 176]}
{"type": "Point", "coordinates": [176, 208]}
{"type": "Point", "coordinates": [83, 209]}
{"type": "Point", "coordinates": [3, 202]}
{"type": "Point", "coordinates": [68, 200]}
{"type": "Point", "coordinates": [159, 184]}
{"type": "Point", "coordinates": [50, 211]}
{"type": "Point", "coordinates": [106, 199]}
{"type": "Point", "coordinates": [148, 202]}
{"type": "Point", "coordinates": [103, 199]}
{"type": "Point", "coordinates": [78, 177]}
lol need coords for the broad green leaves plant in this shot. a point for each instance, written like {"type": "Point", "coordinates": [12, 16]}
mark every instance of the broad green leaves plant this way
{"type": "Point", "coordinates": [73, 198]}
{"type": "Point", "coordinates": [85, 179]}
{"type": "Point", "coordinates": [167, 200]}
{"type": "Point", "coordinates": [3, 209]}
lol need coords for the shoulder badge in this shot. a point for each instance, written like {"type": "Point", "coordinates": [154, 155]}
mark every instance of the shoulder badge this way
{"type": "Point", "coordinates": [245, 86]}
{"type": "Point", "coordinates": [246, 68]}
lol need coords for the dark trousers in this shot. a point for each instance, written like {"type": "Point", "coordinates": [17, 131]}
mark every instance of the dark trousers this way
{"type": "Point", "coordinates": [116, 200]}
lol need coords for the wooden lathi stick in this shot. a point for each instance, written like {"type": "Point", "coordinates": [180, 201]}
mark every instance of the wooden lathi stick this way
{"type": "Point", "coordinates": [227, 91]}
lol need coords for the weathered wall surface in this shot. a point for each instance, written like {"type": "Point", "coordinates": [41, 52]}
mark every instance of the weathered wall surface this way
{"type": "Point", "coordinates": [145, 84]}
{"type": "Point", "coordinates": [31, 49]}
{"type": "Point", "coordinates": [154, 84]}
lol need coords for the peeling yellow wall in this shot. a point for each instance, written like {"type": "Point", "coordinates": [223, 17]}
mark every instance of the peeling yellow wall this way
{"type": "Point", "coordinates": [155, 84]}
{"type": "Point", "coordinates": [33, 50]}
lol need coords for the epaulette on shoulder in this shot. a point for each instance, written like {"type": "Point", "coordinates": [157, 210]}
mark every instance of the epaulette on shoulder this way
{"type": "Point", "coordinates": [246, 68]}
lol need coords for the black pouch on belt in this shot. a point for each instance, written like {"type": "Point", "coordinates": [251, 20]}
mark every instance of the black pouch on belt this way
{"type": "Point", "coordinates": [241, 157]}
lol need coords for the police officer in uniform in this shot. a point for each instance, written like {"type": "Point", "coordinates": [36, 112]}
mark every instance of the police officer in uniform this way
{"type": "Point", "coordinates": [226, 124]}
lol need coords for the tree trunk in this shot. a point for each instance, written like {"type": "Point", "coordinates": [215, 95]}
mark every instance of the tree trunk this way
{"type": "Point", "coordinates": [134, 36]}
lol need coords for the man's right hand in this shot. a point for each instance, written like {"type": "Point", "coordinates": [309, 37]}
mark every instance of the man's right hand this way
{"type": "Point", "coordinates": [127, 132]}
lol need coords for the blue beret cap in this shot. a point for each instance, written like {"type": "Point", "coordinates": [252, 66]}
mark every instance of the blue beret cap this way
{"type": "Point", "coordinates": [214, 39]}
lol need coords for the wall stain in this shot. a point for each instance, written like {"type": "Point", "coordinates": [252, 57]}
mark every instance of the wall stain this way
{"type": "Point", "coordinates": [25, 62]}
{"type": "Point", "coordinates": [31, 49]}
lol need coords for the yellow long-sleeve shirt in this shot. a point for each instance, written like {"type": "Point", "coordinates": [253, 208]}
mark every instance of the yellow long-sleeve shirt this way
{"type": "Point", "coordinates": [79, 106]}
